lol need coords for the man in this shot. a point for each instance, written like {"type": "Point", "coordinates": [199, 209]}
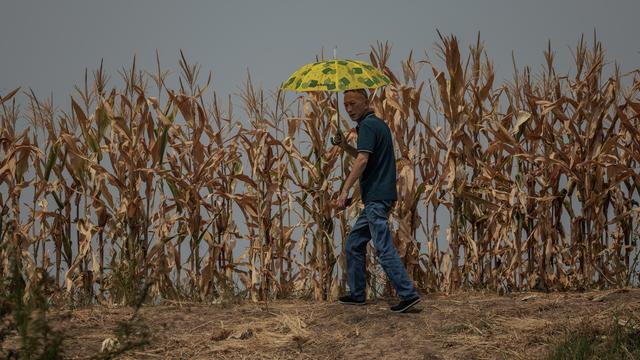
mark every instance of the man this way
{"type": "Point", "coordinates": [375, 167]}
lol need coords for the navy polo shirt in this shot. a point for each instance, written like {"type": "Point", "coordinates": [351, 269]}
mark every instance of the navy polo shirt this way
{"type": "Point", "coordinates": [378, 181]}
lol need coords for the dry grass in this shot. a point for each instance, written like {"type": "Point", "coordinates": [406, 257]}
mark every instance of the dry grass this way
{"type": "Point", "coordinates": [475, 325]}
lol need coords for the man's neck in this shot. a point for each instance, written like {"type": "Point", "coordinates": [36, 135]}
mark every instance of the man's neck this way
{"type": "Point", "coordinates": [366, 113]}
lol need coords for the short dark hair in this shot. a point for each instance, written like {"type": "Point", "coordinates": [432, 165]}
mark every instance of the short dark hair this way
{"type": "Point", "coordinates": [362, 92]}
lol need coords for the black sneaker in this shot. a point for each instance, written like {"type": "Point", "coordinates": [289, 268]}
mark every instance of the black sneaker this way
{"type": "Point", "coordinates": [405, 305]}
{"type": "Point", "coordinates": [348, 300]}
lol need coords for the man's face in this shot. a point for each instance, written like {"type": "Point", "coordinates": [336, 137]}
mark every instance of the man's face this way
{"type": "Point", "coordinates": [356, 104]}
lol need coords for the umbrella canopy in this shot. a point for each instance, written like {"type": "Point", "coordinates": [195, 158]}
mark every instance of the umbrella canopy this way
{"type": "Point", "coordinates": [336, 75]}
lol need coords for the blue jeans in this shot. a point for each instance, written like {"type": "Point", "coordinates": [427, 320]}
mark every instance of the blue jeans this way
{"type": "Point", "coordinates": [372, 224]}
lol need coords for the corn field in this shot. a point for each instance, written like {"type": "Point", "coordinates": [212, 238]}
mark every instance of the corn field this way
{"type": "Point", "coordinates": [533, 183]}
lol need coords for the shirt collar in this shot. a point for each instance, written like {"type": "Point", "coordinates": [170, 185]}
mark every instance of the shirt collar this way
{"type": "Point", "coordinates": [364, 116]}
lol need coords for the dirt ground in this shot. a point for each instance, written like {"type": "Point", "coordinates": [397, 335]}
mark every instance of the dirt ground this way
{"type": "Point", "coordinates": [466, 325]}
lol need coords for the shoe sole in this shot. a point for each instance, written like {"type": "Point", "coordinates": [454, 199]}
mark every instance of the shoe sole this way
{"type": "Point", "coordinates": [352, 303]}
{"type": "Point", "coordinates": [408, 306]}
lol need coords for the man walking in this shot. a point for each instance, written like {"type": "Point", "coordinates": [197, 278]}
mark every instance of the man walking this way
{"type": "Point", "coordinates": [375, 167]}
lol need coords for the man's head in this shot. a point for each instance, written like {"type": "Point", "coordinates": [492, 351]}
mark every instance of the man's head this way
{"type": "Point", "coordinates": [356, 102]}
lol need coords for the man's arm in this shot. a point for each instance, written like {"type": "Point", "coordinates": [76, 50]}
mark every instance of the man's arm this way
{"type": "Point", "coordinates": [340, 141]}
{"type": "Point", "coordinates": [349, 149]}
{"type": "Point", "coordinates": [357, 169]}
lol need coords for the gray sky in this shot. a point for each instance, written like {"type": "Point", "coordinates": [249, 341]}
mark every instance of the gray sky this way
{"type": "Point", "coordinates": [45, 45]}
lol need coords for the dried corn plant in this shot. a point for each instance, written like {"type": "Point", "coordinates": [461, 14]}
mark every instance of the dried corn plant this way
{"type": "Point", "coordinates": [529, 184]}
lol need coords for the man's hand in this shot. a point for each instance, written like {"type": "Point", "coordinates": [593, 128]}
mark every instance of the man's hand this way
{"type": "Point", "coordinates": [337, 139]}
{"type": "Point", "coordinates": [340, 140]}
{"type": "Point", "coordinates": [341, 202]}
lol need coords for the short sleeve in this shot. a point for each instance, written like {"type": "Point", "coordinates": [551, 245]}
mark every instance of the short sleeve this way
{"type": "Point", "coordinates": [366, 138]}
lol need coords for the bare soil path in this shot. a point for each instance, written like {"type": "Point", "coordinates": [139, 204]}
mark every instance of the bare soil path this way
{"type": "Point", "coordinates": [466, 325]}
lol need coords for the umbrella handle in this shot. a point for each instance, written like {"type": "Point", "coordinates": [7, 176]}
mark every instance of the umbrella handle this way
{"type": "Point", "coordinates": [337, 139]}
{"type": "Point", "coordinates": [338, 112]}
{"type": "Point", "coordinates": [339, 133]}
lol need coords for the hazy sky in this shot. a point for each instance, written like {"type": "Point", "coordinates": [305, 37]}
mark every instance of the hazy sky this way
{"type": "Point", "coordinates": [45, 45]}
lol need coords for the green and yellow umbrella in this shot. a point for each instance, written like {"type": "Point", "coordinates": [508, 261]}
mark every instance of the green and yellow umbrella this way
{"type": "Point", "coordinates": [336, 75]}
